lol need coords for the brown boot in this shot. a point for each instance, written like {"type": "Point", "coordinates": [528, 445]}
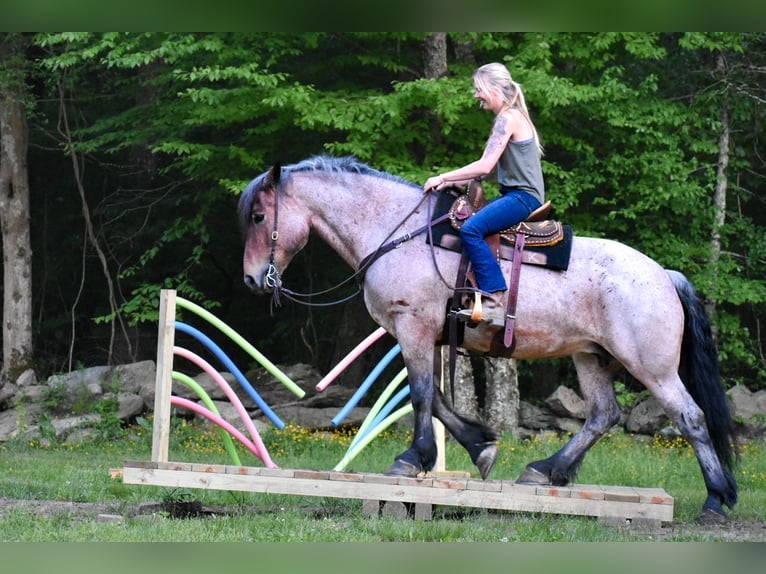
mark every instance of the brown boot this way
{"type": "Point", "coordinates": [489, 309]}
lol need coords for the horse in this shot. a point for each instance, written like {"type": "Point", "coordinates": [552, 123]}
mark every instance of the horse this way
{"type": "Point", "coordinates": [612, 308]}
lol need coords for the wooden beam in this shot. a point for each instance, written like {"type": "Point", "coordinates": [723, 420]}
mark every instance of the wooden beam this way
{"type": "Point", "coordinates": [617, 502]}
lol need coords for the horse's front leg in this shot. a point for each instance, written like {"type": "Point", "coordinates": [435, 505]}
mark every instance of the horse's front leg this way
{"type": "Point", "coordinates": [421, 456]}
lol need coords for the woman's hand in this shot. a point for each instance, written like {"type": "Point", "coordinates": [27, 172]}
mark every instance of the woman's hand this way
{"type": "Point", "coordinates": [436, 182]}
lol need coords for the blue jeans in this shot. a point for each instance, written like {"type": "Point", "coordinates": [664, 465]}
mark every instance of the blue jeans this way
{"type": "Point", "coordinates": [509, 209]}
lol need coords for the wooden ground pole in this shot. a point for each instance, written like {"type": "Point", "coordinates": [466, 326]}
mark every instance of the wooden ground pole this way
{"type": "Point", "coordinates": [613, 504]}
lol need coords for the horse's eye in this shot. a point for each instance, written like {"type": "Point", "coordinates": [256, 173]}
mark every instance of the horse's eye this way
{"type": "Point", "coordinates": [257, 217]}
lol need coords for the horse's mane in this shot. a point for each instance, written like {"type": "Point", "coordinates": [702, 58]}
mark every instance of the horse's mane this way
{"type": "Point", "coordinates": [317, 163]}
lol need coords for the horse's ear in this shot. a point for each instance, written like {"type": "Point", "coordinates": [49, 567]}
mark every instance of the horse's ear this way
{"type": "Point", "coordinates": [272, 178]}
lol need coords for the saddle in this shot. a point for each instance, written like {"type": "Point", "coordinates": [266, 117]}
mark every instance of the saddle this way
{"type": "Point", "coordinates": [538, 230]}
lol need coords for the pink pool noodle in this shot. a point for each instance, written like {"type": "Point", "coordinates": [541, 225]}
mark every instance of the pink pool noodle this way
{"type": "Point", "coordinates": [348, 359]}
{"type": "Point", "coordinates": [197, 408]}
{"type": "Point", "coordinates": [208, 368]}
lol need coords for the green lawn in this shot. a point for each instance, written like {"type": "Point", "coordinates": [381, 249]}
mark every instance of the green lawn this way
{"type": "Point", "coordinates": [80, 473]}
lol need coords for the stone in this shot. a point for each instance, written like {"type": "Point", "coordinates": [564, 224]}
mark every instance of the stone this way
{"type": "Point", "coordinates": [8, 423]}
{"type": "Point", "coordinates": [129, 406]}
{"type": "Point", "coordinates": [26, 379]}
{"type": "Point", "coordinates": [64, 426]}
{"type": "Point", "coordinates": [136, 378]}
{"type": "Point", "coordinates": [566, 403]}
{"type": "Point", "coordinates": [646, 417]}
{"type": "Point", "coordinates": [746, 404]}
{"type": "Point", "coordinates": [534, 417]}
{"type": "Point", "coordinates": [8, 394]}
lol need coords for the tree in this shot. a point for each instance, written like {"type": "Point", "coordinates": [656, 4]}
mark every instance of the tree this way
{"type": "Point", "coordinates": [14, 210]}
{"type": "Point", "coordinates": [630, 124]}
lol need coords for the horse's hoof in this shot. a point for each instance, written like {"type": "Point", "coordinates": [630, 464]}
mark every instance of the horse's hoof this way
{"type": "Point", "coordinates": [533, 476]}
{"type": "Point", "coordinates": [709, 517]}
{"type": "Point", "coordinates": [403, 468]}
{"type": "Point", "coordinates": [486, 460]}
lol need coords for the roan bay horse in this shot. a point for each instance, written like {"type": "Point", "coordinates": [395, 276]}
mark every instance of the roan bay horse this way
{"type": "Point", "coordinates": [612, 308]}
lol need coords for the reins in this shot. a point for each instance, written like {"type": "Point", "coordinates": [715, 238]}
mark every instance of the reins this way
{"type": "Point", "coordinates": [274, 281]}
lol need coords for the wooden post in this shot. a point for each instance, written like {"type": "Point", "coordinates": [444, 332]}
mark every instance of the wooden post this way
{"type": "Point", "coordinates": [164, 380]}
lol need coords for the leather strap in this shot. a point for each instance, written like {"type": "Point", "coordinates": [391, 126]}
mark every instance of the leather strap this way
{"type": "Point", "coordinates": [453, 322]}
{"type": "Point", "coordinates": [513, 291]}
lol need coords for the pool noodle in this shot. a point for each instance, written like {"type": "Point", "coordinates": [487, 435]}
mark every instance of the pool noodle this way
{"type": "Point", "coordinates": [183, 327]}
{"type": "Point", "coordinates": [380, 402]}
{"type": "Point", "coordinates": [237, 338]}
{"type": "Point", "coordinates": [348, 359]}
{"type": "Point", "coordinates": [230, 394]}
{"type": "Point", "coordinates": [380, 416]}
{"type": "Point", "coordinates": [191, 405]}
{"type": "Point", "coordinates": [226, 437]}
{"type": "Point", "coordinates": [380, 428]}
{"type": "Point", "coordinates": [366, 384]}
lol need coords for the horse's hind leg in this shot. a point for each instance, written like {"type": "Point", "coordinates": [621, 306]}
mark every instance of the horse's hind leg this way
{"type": "Point", "coordinates": [603, 412]}
{"type": "Point", "coordinates": [688, 416]}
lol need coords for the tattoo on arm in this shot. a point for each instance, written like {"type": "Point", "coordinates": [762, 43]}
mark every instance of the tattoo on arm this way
{"type": "Point", "coordinates": [498, 136]}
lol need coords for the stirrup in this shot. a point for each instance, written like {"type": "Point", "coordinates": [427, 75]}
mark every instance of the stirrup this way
{"type": "Point", "coordinates": [474, 315]}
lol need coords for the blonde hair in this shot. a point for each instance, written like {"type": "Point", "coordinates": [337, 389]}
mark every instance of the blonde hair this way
{"type": "Point", "coordinates": [495, 78]}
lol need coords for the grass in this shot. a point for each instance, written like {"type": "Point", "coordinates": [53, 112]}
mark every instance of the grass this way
{"type": "Point", "coordinates": [31, 470]}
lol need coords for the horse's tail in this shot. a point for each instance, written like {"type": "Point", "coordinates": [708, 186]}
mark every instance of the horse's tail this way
{"type": "Point", "coordinates": [699, 371]}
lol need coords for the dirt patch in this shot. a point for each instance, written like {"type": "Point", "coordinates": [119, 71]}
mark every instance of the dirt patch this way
{"type": "Point", "coordinates": [731, 531]}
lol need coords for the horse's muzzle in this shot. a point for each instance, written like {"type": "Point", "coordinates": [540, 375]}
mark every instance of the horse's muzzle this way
{"type": "Point", "coordinates": [253, 284]}
{"type": "Point", "coordinates": [266, 282]}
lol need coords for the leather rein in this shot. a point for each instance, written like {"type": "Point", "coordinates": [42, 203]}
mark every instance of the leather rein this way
{"type": "Point", "coordinates": [274, 281]}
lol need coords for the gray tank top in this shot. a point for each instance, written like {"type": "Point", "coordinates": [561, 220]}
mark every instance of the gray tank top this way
{"type": "Point", "coordinates": [519, 168]}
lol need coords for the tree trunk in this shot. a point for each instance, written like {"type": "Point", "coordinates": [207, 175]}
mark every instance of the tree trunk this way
{"type": "Point", "coordinates": [435, 55]}
{"type": "Point", "coordinates": [462, 395]}
{"type": "Point", "coordinates": [14, 212]}
{"type": "Point", "coordinates": [719, 200]}
{"type": "Point", "coordinates": [502, 394]}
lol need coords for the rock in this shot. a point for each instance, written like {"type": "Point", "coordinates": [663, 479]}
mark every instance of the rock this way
{"type": "Point", "coordinates": [319, 418]}
{"type": "Point", "coordinates": [210, 386]}
{"type": "Point", "coordinates": [26, 379]}
{"type": "Point", "coordinates": [533, 417]}
{"type": "Point", "coordinates": [8, 424]}
{"type": "Point", "coordinates": [749, 411]}
{"type": "Point", "coordinates": [746, 404]}
{"type": "Point", "coordinates": [129, 406]}
{"type": "Point", "coordinates": [32, 394]}
{"type": "Point", "coordinates": [229, 413]}
{"type": "Point", "coordinates": [566, 403]}
{"type": "Point", "coordinates": [8, 394]}
{"type": "Point", "coordinates": [135, 378]}
{"type": "Point", "coordinates": [567, 424]}
{"type": "Point", "coordinates": [64, 426]}
{"type": "Point", "coordinates": [646, 417]}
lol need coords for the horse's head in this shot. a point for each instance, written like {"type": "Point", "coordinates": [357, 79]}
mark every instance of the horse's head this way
{"type": "Point", "coordinates": [274, 228]}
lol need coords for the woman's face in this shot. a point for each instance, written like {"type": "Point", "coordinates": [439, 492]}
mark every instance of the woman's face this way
{"type": "Point", "coordinates": [490, 100]}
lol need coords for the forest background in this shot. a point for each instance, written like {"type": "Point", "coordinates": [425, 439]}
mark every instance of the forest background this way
{"type": "Point", "coordinates": [123, 155]}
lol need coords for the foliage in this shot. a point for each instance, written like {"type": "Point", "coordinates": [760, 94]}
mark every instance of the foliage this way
{"type": "Point", "coordinates": [173, 125]}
